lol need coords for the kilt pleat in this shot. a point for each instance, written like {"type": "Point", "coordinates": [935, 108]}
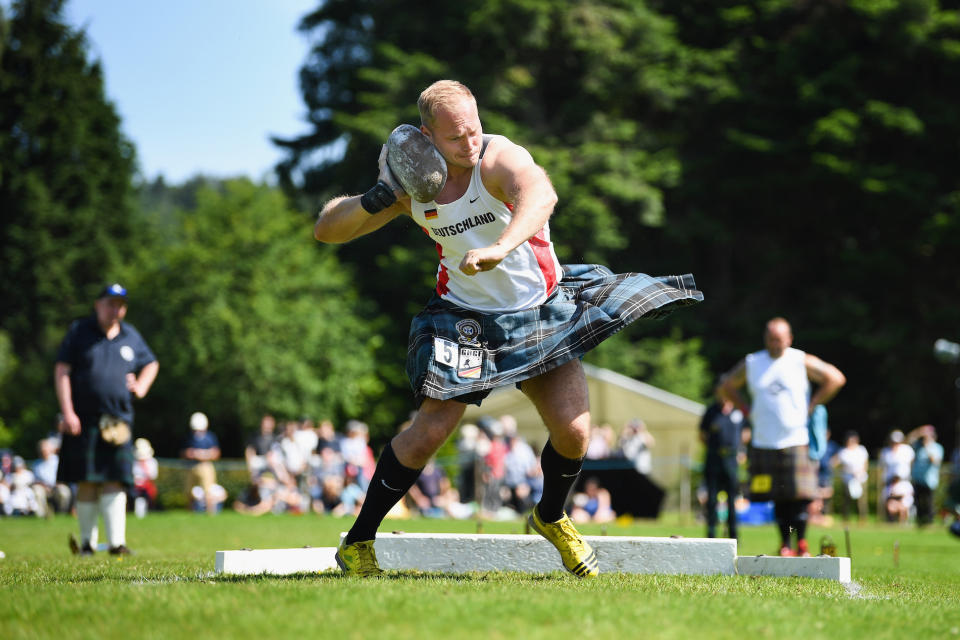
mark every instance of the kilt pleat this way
{"type": "Point", "coordinates": [590, 304]}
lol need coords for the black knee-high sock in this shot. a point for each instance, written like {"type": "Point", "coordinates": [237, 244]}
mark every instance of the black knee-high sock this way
{"type": "Point", "coordinates": [783, 512]}
{"type": "Point", "coordinates": [390, 482]}
{"type": "Point", "coordinates": [800, 518]}
{"type": "Point", "coordinates": [559, 476]}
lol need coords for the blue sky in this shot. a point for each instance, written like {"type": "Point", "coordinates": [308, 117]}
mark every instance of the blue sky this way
{"type": "Point", "coordinates": [201, 85]}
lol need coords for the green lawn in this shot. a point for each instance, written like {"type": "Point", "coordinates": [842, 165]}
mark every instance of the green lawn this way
{"type": "Point", "coordinates": [168, 589]}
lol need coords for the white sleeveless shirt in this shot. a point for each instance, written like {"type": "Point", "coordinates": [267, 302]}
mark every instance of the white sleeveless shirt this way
{"type": "Point", "coordinates": [781, 397]}
{"type": "Point", "coordinates": [524, 279]}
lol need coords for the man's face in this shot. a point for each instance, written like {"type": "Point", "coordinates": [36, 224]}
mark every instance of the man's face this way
{"type": "Point", "coordinates": [110, 311]}
{"type": "Point", "coordinates": [777, 338]}
{"type": "Point", "coordinates": [267, 424]}
{"type": "Point", "coordinates": [457, 134]}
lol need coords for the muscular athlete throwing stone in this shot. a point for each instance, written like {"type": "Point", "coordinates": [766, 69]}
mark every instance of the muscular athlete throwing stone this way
{"type": "Point", "coordinates": [504, 312]}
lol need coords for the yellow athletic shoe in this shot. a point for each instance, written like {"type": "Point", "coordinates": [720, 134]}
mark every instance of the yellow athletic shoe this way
{"type": "Point", "coordinates": [358, 559]}
{"type": "Point", "coordinates": [578, 556]}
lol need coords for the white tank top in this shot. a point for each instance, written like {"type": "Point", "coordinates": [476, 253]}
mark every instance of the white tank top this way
{"type": "Point", "coordinates": [524, 279]}
{"type": "Point", "coordinates": [781, 396]}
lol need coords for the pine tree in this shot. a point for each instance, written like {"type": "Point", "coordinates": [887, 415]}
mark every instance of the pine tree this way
{"type": "Point", "coordinates": [65, 179]}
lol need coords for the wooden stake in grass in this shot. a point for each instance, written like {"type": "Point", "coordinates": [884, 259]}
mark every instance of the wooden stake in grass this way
{"type": "Point", "coordinates": [896, 554]}
{"type": "Point", "coordinates": [846, 537]}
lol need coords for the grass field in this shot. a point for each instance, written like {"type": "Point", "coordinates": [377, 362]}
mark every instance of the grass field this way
{"type": "Point", "coordinates": [168, 589]}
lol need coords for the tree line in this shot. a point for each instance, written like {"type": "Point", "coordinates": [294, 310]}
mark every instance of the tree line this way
{"type": "Point", "coordinates": [799, 157]}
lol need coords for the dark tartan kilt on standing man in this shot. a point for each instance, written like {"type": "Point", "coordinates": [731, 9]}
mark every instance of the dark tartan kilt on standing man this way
{"type": "Point", "coordinates": [782, 474]}
{"type": "Point", "coordinates": [89, 458]}
{"type": "Point", "coordinates": [464, 354]}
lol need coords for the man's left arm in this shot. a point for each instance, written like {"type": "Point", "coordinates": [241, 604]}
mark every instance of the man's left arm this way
{"type": "Point", "coordinates": [213, 453]}
{"type": "Point", "coordinates": [829, 380]}
{"type": "Point", "coordinates": [139, 385]}
{"type": "Point", "coordinates": [512, 176]}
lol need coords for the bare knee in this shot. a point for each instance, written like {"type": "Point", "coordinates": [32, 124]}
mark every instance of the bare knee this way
{"type": "Point", "coordinates": [87, 492]}
{"type": "Point", "coordinates": [434, 423]}
{"type": "Point", "coordinates": [571, 440]}
{"type": "Point", "coordinates": [414, 447]}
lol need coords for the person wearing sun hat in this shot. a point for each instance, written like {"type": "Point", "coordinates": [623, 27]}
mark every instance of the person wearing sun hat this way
{"type": "Point", "coordinates": [102, 364]}
{"type": "Point", "coordinates": [202, 448]}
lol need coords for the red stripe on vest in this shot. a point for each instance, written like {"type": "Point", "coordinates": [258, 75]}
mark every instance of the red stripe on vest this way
{"type": "Point", "coordinates": [442, 276]}
{"type": "Point", "coordinates": [541, 249]}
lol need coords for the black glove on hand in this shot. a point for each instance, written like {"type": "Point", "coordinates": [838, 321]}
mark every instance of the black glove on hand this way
{"type": "Point", "coordinates": [378, 198]}
{"type": "Point", "coordinates": [386, 191]}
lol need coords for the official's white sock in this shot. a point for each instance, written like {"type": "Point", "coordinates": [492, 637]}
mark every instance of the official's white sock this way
{"type": "Point", "coordinates": [87, 515]}
{"type": "Point", "coordinates": [113, 506]}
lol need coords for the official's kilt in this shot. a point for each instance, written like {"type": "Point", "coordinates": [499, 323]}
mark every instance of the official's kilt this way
{"type": "Point", "coordinates": [87, 458]}
{"type": "Point", "coordinates": [459, 353]}
{"type": "Point", "coordinates": [782, 474]}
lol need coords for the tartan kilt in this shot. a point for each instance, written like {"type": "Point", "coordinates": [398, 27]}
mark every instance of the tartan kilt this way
{"type": "Point", "coordinates": [87, 458]}
{"type": "Point", "coordinates": [464, 354]}
{"type": "Point", "coordinates": [782, 474]}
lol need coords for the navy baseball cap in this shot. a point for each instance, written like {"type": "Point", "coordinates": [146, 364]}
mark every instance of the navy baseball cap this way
{"type": "Point", "coordinates": [114, 290]}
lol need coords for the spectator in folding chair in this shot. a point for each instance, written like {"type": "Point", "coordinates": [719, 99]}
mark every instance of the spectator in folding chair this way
{"type": "Point", "coordinates": [202, 449]}
{"type": "Point", "coordinates": [52, 496]}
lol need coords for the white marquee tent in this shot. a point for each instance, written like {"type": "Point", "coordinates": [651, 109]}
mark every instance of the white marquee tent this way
{"type": "Point", "coordinates": [616, 399]}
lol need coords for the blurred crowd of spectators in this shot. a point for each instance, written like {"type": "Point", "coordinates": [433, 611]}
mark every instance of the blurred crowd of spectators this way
{"type": "Point", "coordinates": [33, 489]}
{"type": "Point", "coordinates": [298, 466]}
{"type": "Point", "coordinates": [908, 477]}
{"type": "Point", "coordinates": [908, 471]}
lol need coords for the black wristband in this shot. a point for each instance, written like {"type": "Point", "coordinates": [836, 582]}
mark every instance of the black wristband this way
{"type": "Point", "coordinates": [379, 197]}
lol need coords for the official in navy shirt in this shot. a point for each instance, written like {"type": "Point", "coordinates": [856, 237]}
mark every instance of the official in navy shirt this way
{"type": "Point", "coordinates": [722, 430]}
{"type": "Point", "coordinates": [103, 362]}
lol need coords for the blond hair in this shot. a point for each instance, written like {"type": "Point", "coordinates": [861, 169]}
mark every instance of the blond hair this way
{"type": "Point", "coordinates": [440, 93]}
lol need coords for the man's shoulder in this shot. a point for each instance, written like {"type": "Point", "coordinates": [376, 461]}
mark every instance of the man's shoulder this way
{"type": "Point", "coordinates": [131, 331]}
{"type": "Point", "coordinates": [82, 324]}
{"type": "Point", "coordinates": [711, 411]}
{"type": "Point", "coordinates": [500, 151]}
{"type": "Point", "coordinates": [81, 332]}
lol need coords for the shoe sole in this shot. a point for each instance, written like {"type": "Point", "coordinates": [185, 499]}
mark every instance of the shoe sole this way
{"type": "Point", "coordinates": [582, 570]}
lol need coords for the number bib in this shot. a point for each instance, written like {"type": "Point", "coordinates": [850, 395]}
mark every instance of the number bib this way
{"type": "Point", "coordinates": [466, 359]}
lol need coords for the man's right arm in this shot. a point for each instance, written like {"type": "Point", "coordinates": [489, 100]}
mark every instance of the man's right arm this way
{"type": "Point", "coordinates": [733, 381]}
{"type": "Point", "coordinates": [347, 217]}
{"type": "Point", "coordinates": [343, 218]}
{"type": "Point", "coordinates": [61, 381]}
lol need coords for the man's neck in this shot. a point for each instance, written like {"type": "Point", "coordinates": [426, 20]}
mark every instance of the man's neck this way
{"type": "Point", "coordinates": [111, 330]}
